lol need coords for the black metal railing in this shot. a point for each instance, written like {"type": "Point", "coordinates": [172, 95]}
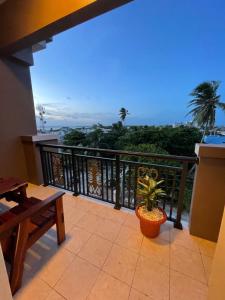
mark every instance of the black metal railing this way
{"type": "Point", "coordinates": [111, 176]}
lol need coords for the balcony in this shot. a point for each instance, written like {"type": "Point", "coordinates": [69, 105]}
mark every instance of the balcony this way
{"type": "Point", "coordinates": [105, 256]}
{"type": "Point", "coordinates": [111, 176]}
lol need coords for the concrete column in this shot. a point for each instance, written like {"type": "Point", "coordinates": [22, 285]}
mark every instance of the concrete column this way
{"type": "Point", "coordinates": [32, 155]}
{"type": "Point", "coordinates": [17, 116]}
{"type": "Point", "coordinates": [208, 197]}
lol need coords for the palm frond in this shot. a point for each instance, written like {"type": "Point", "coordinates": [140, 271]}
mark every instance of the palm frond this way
{"type": "Point", "coordinates": [205, 101]}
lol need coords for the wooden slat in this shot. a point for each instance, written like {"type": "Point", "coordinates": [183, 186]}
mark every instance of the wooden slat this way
{"type": "Point", "coordinates": [25, 226]}
{"type": "Point", "coordinates": [19, 256]}
{"type": "Point", "coordinates": [31, 212]}
{"type": "Point", "coordinates": [60, 221]}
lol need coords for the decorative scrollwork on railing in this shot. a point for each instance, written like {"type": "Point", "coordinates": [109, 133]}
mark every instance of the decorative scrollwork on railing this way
{"type": "Point", "coordinates": [151, 172]}
{"type": "Point", "coordinates": [94, 178]}
{"type": "Point", "coordinates": [57, 169]}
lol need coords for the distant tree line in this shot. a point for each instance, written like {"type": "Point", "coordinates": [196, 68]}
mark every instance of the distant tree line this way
{"type": "Point", "coordinates": [150, 139]}
{"type": "Point", "coordinates": [180, 140]}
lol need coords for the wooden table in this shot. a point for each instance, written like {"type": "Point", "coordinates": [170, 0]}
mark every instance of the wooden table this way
{"type": "Point", "coordinates": [13, 189]}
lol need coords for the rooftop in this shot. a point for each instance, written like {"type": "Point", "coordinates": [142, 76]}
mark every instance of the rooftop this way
{"type": "Point", "coordinates": [105, 256]}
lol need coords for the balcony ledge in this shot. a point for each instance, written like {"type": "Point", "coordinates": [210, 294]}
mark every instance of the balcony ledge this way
{"type": "Point", "coordinates": [210, 151]}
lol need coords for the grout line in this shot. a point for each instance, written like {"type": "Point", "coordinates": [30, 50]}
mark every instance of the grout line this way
{"type": "Point", "coordinates": [101, 268]}
{"type": "Point", "coordinates": [194, 279]}
{"type": "Point", "coordinates": [60, 277]}
{"type": "Point", "coordinates": [204, 269]}
{"type": "Point", "coordinates": [53, 289]}
{"type": "Point", "coordinates": [60, 294]}
{"type": "Point", "coordinates": [139, 255]}
{"type": "Point", "coordinates": [110, 251]}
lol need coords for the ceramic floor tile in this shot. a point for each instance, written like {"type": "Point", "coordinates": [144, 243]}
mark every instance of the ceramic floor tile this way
{"type": "Point", "coordinates": [187, 262]}
{"type": "Point", "coordinates": [89, 222]}
{"type": "Point", "coordinates": [184, 288]}
{"type": "Point", "coordinates": [107, 287]}
{"type": "Point", "coordinates": [78, 280]}
{"type": "Point", "coordinates": [91, 228]}
{"type": "Point", "coordinates": [207, 262]}
{"type": "Point", "coordinates": [121, 263]}
{"type": "Point", "coordinates": [135, 295]}
{"type": "Point", "coordinates": [76, 238]}
{"type": "Point", "coordinates": [101, 210]}
{"type": "Point", "coordinates": [183, 238]}
{"type": "Point", "coordinates": [151, 279]}
{"type": "Point", "coordinates": [54, 296]}
{"type": "Point", "coordinates": [72, 217]}
{"type": "Point", "coordinates": [55, 266]}
{"type": "Point", "coordinates": [96, 250]}
{"type": "Point", "coordinates": [156, 249]}
{"type": "Point", "coordinates": [84, 203]}
{"type": "Point", "coordinates": [130, 238]}
{"type": "Point", "coordinates": [108, 229]}
{"type": "Point", "coordinates": [42, 252]}
{"type": "Point", "coordinates": [35, 289]}
{"type": "Point", "coordinates": [207, 247]}
{"type": "Point", "coordinates": [132, 221]}
{"type": "Point", "coordinates": [117, 216]}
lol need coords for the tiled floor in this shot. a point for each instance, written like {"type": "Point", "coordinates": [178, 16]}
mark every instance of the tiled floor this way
{"type": "Point", "coordinates": [106, 257]}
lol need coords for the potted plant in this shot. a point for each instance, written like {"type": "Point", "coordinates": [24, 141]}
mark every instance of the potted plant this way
{"type": "Point", "coordinates": [150, 215]}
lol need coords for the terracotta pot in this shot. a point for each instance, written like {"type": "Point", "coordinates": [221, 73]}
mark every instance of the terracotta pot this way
{"type": "Point", "coordinates": [150, 228]}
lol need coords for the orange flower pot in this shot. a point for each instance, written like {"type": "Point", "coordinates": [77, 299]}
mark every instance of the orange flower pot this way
{"type": "Point", "coordinates": [150, 228]}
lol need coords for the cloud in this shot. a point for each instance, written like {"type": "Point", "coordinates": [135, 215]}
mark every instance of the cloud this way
{"type": "Point", "coordinates": [62, 114]}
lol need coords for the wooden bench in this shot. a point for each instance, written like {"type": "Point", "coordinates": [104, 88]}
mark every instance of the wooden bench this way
{"type": "Point", "coordinates": [23, 225]}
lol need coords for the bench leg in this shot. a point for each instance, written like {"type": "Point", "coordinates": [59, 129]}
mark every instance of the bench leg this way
{"type": "Point", "coordinates": [19, 254]}
{"type": "Point", "coordinates": [60, 226]}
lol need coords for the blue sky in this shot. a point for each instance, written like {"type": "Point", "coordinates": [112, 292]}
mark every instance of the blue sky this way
{"type": "Point", "coordinates": [146, 56]}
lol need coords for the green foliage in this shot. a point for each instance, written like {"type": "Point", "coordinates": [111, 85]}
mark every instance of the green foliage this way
{"type": "Point", "coordinates": [145, 148]}
{"type": "Point", "coordinates": [150, 139]}
{"type": "Point", "coordinates": [147, 139]}
{"type": "Point", "coordinates": [182, 140]}
{"type": "Point", "coordinates": [177, 141]}
{"type": "Point", "coordinates": [74, 138]}
{"type": "Point", "coordinates": [105, 140]}
{"type": "Point", "coordinates": [206, 101]}
{"type": "Point", "coordinates": [94, 138]}
{"type": "Point", "coordinates": [149, 191]}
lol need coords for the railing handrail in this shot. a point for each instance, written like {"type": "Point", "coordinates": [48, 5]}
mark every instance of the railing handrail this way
{"type": "Point", "coordinates": [186, 159]}
{"type": "Point", "coordinates": [124, 161]}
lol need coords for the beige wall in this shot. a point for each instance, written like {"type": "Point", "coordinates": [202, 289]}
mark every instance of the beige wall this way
{"type": "Point", "coordinates": [32, 154]}
{"type": "Point", "coordinates": [17, 117]}
{"type": "Point", "coordinates": [5, 292]}
{"type": "Point", "coordinates": [208, 198]}
{"type": "Point", "coordinates": [217, 278]}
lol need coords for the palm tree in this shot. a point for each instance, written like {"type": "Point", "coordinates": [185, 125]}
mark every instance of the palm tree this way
{"type": "Point", "coordinates": [123, 113]}
{"type": "Point", "coordinates": [205, 101]}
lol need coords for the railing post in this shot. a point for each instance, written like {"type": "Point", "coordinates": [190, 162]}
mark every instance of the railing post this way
{"type": "Point", "coordinates": [117, 204]}
{"type": "Point", "coordinates": [43, 166]}
{"type": "Point", "coordinates": [76, 193]}
{"type": "Point", "coordinates": [183, 178]}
